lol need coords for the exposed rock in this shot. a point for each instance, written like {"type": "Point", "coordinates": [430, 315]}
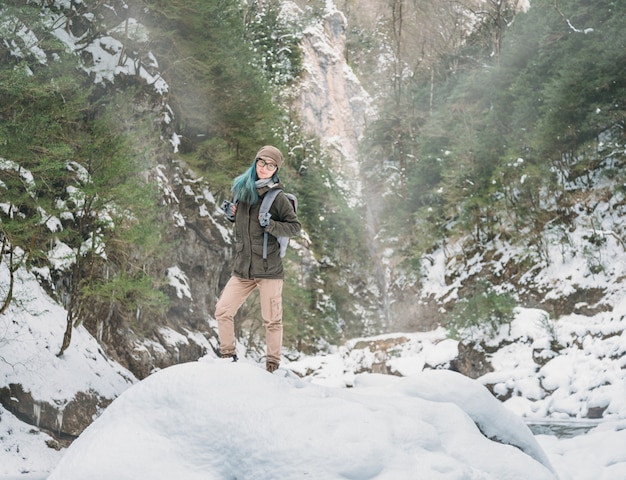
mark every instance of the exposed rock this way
{"type": "Point", "coordinates": [383, 345]}
{"type": "Point", "coordinates": [596, 412]}
{"type": "Point", "coordinates": [541, 356]}
{"type": "Point", "coordinates": [583, 301]}
{"type": "Point", "coordinates": [472, 362]}
{"type": "Point", "coordinates": [64, 422]}
{"type": "Point", "coordinates": [381, 351]}
{"type": "Point", "coordinates": [331, 101]}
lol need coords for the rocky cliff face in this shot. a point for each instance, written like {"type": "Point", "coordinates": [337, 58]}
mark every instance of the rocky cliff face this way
{"type": "Point", "coordinates": [196, 273]}
{"type": "Point", "coordinates": [332, 103]}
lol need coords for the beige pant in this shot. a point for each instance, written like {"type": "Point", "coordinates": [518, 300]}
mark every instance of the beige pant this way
{"type": "Point", "coordinates": [234, 294]}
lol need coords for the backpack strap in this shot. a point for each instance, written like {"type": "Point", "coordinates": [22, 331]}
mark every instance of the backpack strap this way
{"type": "Point", "coordinates": [268, 199]}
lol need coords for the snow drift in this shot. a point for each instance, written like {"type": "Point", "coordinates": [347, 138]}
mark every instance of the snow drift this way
{"type": "Point", "coordinates": [218, 420]}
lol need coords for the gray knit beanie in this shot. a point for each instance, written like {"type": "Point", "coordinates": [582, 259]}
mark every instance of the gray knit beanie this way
{"type": "Point", "coordinates": [271, 153]}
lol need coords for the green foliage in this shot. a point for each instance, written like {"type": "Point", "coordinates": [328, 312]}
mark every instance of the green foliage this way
{"type": "Point", "coordinates": [276, 43]}
{"type": "Point", "coordinates": [480, 315]}
{"type": "Point", "coordinates": [321, 302]}
{"type": "Point", "coordinates": [70, 175]}
{"type": "Point", "coordinates": [34, 137]}
{"type": "Point", "coordinates": [308, 326]}
{"type": "Point", "coordinates": [336, 229]}
{"type": "Point", "coordinates": [567, 87]}
{"type": "Point", "coordinates": [134, 291]}
{"type": "Point", "coordinates": [116, 227]}
{"type": "Point", "coordinates": [225, 66]}
{"type": "Point", "coordinates": [217, 92]}
{"type": "Point", "coordinates": [297, 308]}
{"type": "Point", "coordinates": [504, 132]}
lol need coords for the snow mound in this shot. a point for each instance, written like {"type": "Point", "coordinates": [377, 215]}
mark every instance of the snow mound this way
{"type": "Point", "coordinates": [214, 419]}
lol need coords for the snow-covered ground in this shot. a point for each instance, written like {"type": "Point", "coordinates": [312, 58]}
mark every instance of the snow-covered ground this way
{"type": "Point", "coordinates": [214, 419]}
{"type": "Point", "coordinates": [587, 374]}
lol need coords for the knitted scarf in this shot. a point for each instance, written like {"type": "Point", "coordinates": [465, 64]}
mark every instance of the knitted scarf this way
{"type": "Point", "coordinates": [264, 182]}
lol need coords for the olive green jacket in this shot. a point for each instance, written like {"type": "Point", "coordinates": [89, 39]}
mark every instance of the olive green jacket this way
{"type": "Point", "coordinates": [249, 261]}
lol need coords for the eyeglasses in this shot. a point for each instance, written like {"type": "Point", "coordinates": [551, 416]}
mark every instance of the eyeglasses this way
{"type": "Point", "coordinates": [270, 166]}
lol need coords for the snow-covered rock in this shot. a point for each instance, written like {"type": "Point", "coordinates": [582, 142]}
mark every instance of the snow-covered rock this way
{"type": "Point", "coordinates": [217, 420]}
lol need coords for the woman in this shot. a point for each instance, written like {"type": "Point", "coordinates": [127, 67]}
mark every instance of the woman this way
{"type": "Point", "coordinates": [250, 269]}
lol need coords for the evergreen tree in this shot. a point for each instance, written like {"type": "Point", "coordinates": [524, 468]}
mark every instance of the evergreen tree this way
{"type": "Point", "coordinates": [70, 180]}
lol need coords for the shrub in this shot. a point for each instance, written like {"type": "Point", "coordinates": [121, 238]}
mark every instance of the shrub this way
{"type": "Point", "coordinates": [480, 315]}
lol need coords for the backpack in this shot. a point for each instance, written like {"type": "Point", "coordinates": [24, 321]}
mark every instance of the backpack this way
{"type": "Point", "coordinates": [268, 199]}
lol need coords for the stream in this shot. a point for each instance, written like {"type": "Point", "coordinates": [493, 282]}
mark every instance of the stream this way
{"type": "Point", "coordinates": [561, 428]}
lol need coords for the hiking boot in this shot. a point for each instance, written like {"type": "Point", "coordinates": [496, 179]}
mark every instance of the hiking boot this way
{"type": "Point", "coordinates": [230, 355]}
{"type": "Point", "coordinates": [271, 366]}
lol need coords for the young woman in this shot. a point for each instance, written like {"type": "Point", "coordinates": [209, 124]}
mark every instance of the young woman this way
{"type": "Point", "coordinates": [250, 269]}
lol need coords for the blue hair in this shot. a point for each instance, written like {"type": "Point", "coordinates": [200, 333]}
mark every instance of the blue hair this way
{"type": "Point", "coordinates": [244, 186]}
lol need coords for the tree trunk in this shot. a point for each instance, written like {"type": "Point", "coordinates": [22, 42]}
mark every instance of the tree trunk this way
{"type": "Point", "coordinates": [67, 336]}
{"type": "Point", "coordinates": [9, 295]}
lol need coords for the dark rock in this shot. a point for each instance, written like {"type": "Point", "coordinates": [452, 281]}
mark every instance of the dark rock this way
{"type": "Point", "coordinates": [63, 422]}
{"type": "Point", "coordinates": [596, 412]}
{"type": "Point", "coordinates": [541, 356]}
{"type": "Point", "coordinates": [472, 361]}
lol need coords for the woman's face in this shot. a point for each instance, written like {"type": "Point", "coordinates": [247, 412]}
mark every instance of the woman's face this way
{"type": "Point", "coordinates": [265, 169]}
